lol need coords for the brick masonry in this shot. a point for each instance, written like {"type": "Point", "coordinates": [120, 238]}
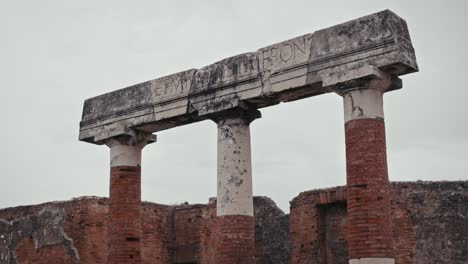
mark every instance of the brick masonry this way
{"type": "Point", "coordinates": [54, 254]}
{"type": "Point", "coordinates": [235, 239]}
{"type": "Point", "coordinates": [370, 226]}
{"type": "Point", "coordinates": [125, 215]}
{"type": "Point", "coordinates": [308, 226]}
{"type": "Point", "coordinates": [170, 234]}
{"type": "Point", "coordinates": [429, 226]}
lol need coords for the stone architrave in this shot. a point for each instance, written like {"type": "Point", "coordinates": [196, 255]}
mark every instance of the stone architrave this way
{"type": "Point", "coordinates": [289, 70]}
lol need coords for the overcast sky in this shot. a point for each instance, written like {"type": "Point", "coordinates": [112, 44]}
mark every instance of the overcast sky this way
{"type": "Point", "coordinates": [55, 54]}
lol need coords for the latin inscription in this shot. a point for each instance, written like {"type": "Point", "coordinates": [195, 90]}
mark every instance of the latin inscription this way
{"type": "Point", "coordinates": [226, 71]}
{"type": "Point", "coordinates": [284, 71]}
{"type": "Point", "coordinates": [174, 85]}
{"type": "Point", "coordinates": [289, 52]}
{"type": "Point", "coordinates": [239, 68]}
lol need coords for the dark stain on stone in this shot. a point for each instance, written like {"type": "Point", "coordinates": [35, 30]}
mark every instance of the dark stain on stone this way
{"type": "Point", "coordinates": [44, 228]}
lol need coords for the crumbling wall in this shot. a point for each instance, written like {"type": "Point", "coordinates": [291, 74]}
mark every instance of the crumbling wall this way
{"type": "Point", "coordinates": [186, 221]}
{"type": "Point", "coordinates": [208, 230]}
{"type": "Point", "coordinates": [439, 213]}
{"type": "Point", "coordinates": [157, 235]}
{"type": "Point", "coordinates": [429, 223]}
{"type": "Point", "coordinates": [195, 229]}
{"type": "Point", "coordinates": [336, 245]}
{"type": "Point", "coordinates": [51, 233]}
{"type": "Point", "coordinates": [76, 232]}
{"type": "Point", "coordinates": [310, 228]}
{"type": "Point", "coordinates": [271, 232]}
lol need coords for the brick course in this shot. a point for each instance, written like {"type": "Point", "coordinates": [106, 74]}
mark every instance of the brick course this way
{"type": "Point", "coordinates": [235, 242]}
{"type": "Point", "coordinates": [369, 219]}
{"type": "Point", "coordinates": [308, 224]}
{"type": "Point", "coordinates": [26, 253]}
{"type": "Point", "coordinates": [156, 233]}
{"type": "Point", "coordinates": [428, 222]}
{"type": "Point", "coordinates": [125, 215]}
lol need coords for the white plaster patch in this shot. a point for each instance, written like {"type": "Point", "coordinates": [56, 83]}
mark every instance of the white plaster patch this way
{"type": "Point", "coordinates": [372, 261]}
{"type": "Point", "coordinates": [76, 259]}
{"type": "Point", "coordinates": [125, 155]}
{"type": "Point", "coordinates": [234, 169]}
{"type": "Point", "coordinates": [363, 103]}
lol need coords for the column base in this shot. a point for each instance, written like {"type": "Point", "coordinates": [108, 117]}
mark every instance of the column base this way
{"type": "Point", "coordinates": [372, 261]}
{"type": "Point", "coordinates": [235, 239]}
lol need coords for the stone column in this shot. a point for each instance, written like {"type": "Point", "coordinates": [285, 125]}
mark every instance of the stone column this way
{"type": "Point", "coordinates": [368, 204]}
{"type": "Point", "coordinates": [235, 214]}
{"type": "Point", "coordinates": [124, 237]}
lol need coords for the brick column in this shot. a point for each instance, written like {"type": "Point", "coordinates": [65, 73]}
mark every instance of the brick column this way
{"type": "Point", "coordinates": [125, 197]}
{"type": "Point", "coordinates": [368, 204]}
{"type": "Point", "coordinates": [235, 215]}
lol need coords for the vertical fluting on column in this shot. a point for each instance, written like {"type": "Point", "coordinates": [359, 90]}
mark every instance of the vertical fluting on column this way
{"type": "Point", "coordinates": [369, 201]}
{"type": "Point", "coordinates": [124, 237]}
{"type": "Point", "coordinates": [235, 215]}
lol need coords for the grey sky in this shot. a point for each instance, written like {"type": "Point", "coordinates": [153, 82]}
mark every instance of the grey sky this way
{"type": "Point", "coordinates": [55, 54]}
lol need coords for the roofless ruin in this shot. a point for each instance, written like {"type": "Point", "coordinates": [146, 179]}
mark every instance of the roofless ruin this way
{"type": "Point", "coordinates": [359, 60]}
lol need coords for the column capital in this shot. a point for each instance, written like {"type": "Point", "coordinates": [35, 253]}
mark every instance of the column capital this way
{"type": "Point", "coordinates": [244, 111]}
{"type": "Point", "coordinates": [363, 78]}
{"type": "Point", "coordinates": [125, 150]}
{"type": "Point", "coordinates": [133, 138]}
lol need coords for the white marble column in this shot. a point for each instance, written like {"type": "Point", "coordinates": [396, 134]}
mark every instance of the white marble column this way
{"type": "Point", "coordinates": [234, 167]}
{"type": "Point", "coordinates": [235, 212]}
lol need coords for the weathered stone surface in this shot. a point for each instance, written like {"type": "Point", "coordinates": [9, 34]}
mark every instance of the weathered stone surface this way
{"type": "Point", "coordinates": [272, 241]}
{"type": "Point", "coordinates": [222, 85]}
{"type": "Point", "coordinates": [429, 223]}
{"type": "Point", "coordinates": [170, 234]}
{"type": "Point", "coordinates": [293, 69]}
{"type": "Point", "coordinates": [234, 173]}
{"type": "Point", "coordinates": [114, 113]}
{"type": "Point", "coordinates": [284, 65]}
{"type": "Point", "coordinates": [45, 228]}
{"type": "Point", "coordinates": [439, 213]}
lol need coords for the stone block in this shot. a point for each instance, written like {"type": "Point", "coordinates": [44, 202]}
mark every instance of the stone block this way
{"type": "Point", "coordinates": [289, 70]}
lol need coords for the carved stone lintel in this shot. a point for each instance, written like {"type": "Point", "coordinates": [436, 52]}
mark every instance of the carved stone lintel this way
{"type": "Point", "coordinates": [245, 111]}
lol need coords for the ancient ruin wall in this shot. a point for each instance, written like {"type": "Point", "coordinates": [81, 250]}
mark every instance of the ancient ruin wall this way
{"type": "Point", "coordinates": [76, 232]}
{"type": "Point", "coordinates": [439, 213]}
{"type": "Point", "coordinates": [429, 226]}
{"type": "Point", "coordinates": [429, 219]}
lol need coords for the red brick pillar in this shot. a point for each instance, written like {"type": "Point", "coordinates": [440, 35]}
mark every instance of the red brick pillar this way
{"type": "Point", "coordinates": [124, 245]}
{"type": "Point", "coordinates": [369, 214]}
{"type": "Point", "coordinates": [235, 241]}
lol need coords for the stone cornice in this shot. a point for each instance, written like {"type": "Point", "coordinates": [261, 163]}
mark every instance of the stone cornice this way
{"type": "Point", "coordinates": [286, 71]}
